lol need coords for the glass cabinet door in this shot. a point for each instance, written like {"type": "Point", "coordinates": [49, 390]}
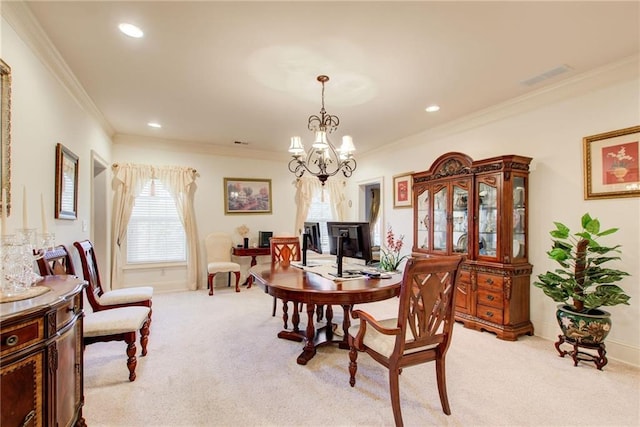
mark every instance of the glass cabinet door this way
{"type": "Point", "coordinates": [487, 238]}
{"type": "Point", "coordinates": [423, 220]}
{"type": "Point", "coordinates": [519, 218]}
{"type": "Point", "coordinates": [440, 209]}
{"type": "Point", "coordinates": [460, 220]}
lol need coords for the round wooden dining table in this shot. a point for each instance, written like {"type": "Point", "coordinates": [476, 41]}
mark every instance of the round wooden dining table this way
{"type": "Point", "coordinates": [294, 284]}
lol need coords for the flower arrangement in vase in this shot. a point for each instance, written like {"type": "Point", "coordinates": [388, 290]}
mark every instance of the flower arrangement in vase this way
{"type": "Point", "coordinates": [390, 258]}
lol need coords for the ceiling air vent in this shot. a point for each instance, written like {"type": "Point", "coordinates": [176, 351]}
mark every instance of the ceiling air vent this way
{"type": "Point", "coordinates": [546, 75]}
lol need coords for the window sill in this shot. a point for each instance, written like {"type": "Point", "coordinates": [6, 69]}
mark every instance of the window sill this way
{"type": "Point", "coordinates": [154, 265]}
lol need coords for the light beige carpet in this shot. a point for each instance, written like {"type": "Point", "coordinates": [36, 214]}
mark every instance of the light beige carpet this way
{"type": "Point", "coordinates": [216, 361]}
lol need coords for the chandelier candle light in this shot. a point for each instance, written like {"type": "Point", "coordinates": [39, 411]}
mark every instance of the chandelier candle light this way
{"type": "Point", "coordinates": [323, 159]}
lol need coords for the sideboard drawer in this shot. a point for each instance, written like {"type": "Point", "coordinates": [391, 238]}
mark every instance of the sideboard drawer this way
{"type": "Point", "coordinates": [68, 311]}
{"type": "Point", "coordinates": [22, 335]}
{"type": "Point", "coordinates": [490, 298]}
{"type": "Point", "coordinates": [492, 314]}
{"type": "Point", "coordinates": [491, 281]}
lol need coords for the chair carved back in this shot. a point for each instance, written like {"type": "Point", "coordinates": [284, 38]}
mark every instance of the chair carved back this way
{"type": "Point", "coordinates": [90, 272]}
{"type": "Point", "coordinates": [55, 261]}
{"type": "Point", "coordinates": [426, 306]}
{"type": "Point", "coordinates": [218, 247]}
{"type": "Point", "coordinates": [285, 249]}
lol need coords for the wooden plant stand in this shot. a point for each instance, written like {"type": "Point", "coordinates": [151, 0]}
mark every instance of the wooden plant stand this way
{"type": "Point", "coordinates": [600, 360]}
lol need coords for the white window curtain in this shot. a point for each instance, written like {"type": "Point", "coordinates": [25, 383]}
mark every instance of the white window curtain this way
{"type": "Point", "coordinates": [305, 189]}
{"type": "Point", "coordinates": [128, 181]}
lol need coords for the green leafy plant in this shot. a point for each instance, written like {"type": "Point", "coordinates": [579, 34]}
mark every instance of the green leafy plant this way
{"type": "Point", "coordinates": [390, 258]}
{"type": "Point", "coordinates": [583, 277]}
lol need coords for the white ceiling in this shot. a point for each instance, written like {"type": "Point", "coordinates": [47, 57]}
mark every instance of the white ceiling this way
{"type": "Point", "coordinates": [218, 72]}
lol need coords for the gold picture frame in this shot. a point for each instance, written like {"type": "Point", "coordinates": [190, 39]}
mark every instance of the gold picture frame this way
{"type": "Point", "coordinates": [247, 196]}
{"type": "Point", "coordinates": [66, 183]}
{"type": "Point", "coordinates": [403, 190]}
{"type": "Point", "coordinates": [5, 133]}
{"type": "Point", "coordinates": [611, 161]}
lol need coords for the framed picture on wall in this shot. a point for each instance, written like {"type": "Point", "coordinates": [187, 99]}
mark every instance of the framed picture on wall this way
{"type": "Point", "coordinates": [66, 183]}
{"type": "Point", "coordinates": [402, 190]}
{"type": "Point", "coordinates": [611, 164]}
{"type": "Point", "coordinates": [247, 196]}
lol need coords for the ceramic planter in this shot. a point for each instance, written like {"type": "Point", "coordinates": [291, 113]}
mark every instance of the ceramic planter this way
{"type": "Point", "coordinates": [589, 328]}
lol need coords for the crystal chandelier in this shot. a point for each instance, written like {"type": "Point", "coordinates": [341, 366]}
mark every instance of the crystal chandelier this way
{"type": "Point", "coordinates": [323, 159]}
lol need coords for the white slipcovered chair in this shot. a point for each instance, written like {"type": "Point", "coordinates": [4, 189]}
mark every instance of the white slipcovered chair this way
{"type": "Point", "coordinates": [218, 247]}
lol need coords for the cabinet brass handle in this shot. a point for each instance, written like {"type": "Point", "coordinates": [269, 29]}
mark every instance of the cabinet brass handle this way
{"type": "Point", "coordinates": [73, 309]}
{"type": "Point", "coordinates": [29, 417]}
{"type": "Point", "coordinates": [489, 281]}
{"type": "Point", "coordinates": [489, 314]}
{"type": "Point", "coordinates": [490, 297]}
{"type": "Point", "coordinates": [12, 340]}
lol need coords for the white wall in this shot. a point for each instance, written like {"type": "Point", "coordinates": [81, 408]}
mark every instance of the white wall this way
{"type": "Point", "coordinates": [44, 114]}
{"type": "Point", "coordinates": [552, 135]}
{"type": "Point", "coordinates": [209, 207]}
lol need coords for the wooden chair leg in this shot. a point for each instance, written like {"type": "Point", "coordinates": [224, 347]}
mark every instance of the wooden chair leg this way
{"type": "Point", "coordinates": [144, 337]}
{"type": "Point", "coordinates": [237, 273]}
{"type": "Point", "coordinates": [353, 364]}
{"type": "Point", "coordinates": [285, 314]}
{"type": "Point", "coordinates": [395, 395]}
{"type": "Point", "coordinates": [210, 283]}
{"type": "Point", "coordinates": [132, 362]}
{"type": "Point", "coordinates": [442, 385]}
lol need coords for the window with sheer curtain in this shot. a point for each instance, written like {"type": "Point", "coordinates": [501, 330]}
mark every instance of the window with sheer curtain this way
{"type": "Point", "coordinates": [320, 212]}
{"type": "Point", "coordinates": [155, 233]}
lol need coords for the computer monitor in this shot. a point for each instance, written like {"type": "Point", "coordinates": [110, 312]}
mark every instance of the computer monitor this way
{"type": "Point", "coordinates": [356, 239]}
{"type": "Point", "coordinates": [263, 238]}
{"type": "Point", "coordinates": [312, 231]}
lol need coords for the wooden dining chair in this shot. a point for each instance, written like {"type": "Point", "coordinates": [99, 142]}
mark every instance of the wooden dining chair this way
{"type": "Point", "coordinates": [116, 322]}
{"type": "Point", "coordinates": [101, 299]}
{"type": "Point", "coordinates": [285, 250]}
{"type": "Point", "coordinates": [54, 261]}
{"type": "Point", "coordinates": [421, 332]}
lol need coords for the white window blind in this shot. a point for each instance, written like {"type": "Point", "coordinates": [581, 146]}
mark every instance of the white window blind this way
{"type": "Point", "coordinates": [155, 233]}
{"type": "Point", "coordinates": [320, 211]}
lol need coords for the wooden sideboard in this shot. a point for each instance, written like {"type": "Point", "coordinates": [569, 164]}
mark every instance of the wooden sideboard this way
{"type": "Point", "coordinates": [41, 361]}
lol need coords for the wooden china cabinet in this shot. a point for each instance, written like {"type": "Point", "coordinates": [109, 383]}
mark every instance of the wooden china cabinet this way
{"type": "Point", "coordinates": [479, 209]}
{"type": "Point", "coordinates": [41, 360]}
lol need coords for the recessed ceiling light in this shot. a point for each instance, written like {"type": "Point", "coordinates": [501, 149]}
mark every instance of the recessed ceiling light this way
{"type": "Point", "coordinates": [432, 108]}
{"type": "Point", "coordinates": [154, 125]}
{"type": "Point", "coordinates": [131, 30]}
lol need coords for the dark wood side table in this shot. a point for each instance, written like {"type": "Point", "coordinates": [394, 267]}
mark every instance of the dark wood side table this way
{"type": "Point", "coordinates": [253, 253]}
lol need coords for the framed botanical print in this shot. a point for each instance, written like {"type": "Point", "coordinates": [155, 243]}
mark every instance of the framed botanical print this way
{"type": "Point", "coordinates": [402, 193]}
{"type": "Point", "coordinates": [247, 196]}
{"type": "Point", "coordinates": [66, 183]}
{"type": "Point", "coordinates": [611, 164]}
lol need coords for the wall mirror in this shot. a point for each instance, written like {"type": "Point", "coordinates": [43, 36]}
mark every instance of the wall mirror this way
{"type": "Point", "coordinates": [5, 131]}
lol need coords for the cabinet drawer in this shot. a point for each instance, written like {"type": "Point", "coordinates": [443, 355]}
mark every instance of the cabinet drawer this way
{"type": "Point", "coordinates": [490, 281]}
{"type": "Point", "coordinates": [491, 298]}
{"type": "Point", "coordinates": [13, 338]}
{"type": "Point", "coordinates": [67, 311]}
{"type": "Point", "coordinates": [491, 314]}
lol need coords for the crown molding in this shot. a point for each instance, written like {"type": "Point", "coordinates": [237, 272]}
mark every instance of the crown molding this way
{"type": "Point", "coordinates": [624, 70]}
{"type": "Point", "coordinates": [18, 15]}
{"type": "Point", "coordinates": [198, 147]}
